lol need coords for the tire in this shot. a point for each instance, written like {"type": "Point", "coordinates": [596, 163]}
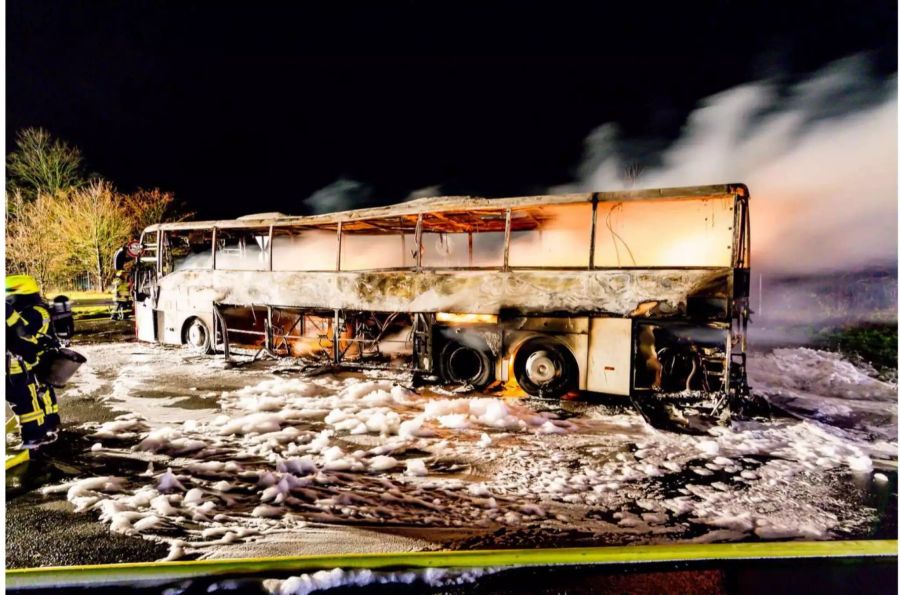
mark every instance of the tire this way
{"type": "Point", "coordinates": [469, 363]}
{"type": "Point", "coordinates": [545, 368]}
{"type": "Point", "coordinates": [197, 336]}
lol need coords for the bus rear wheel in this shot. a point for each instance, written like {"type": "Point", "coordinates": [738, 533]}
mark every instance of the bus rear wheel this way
{"type": "Point", "coordinates": [545, 368]}
{"type": "Point", "coordinates": [197, 336]}
{"type": "Point", "coordinates": [467, 364]}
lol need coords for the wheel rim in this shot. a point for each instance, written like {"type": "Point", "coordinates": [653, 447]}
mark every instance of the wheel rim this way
{"type": "Point", "coordinates": [542, 368]}
{"type": "Point", "coordinates": [197, 335]}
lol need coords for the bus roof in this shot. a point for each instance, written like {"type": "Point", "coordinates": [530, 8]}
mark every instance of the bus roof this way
{"type": "Point", "coordinates": [461, 203]}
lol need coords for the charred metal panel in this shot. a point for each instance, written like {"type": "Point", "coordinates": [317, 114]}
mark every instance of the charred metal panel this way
{"type": "Point", "coordinates": [702, 308]}
{"type": "Point", "coordinates": [617, 292]}
{"type": "Point", "coordinates": [741, 283]}
{"type": "Point", "coordinates": [555, 324]}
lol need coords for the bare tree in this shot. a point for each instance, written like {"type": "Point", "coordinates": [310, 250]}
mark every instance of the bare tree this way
{"type": "Point", "coordinates": [93, 222]}
{"type": "Point", "coordinates": [31, 245]}
{"type": "Point", "coordinates": [55, 237]}
{"type": "Point", "coordinates": [43, 164]}
{"type": "Point", "coordinates": [146, 207]}
{"type": "Point", "coordinates": [58, 223]}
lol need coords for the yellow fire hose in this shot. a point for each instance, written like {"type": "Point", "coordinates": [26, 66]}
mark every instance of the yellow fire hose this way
{"type": "Point", "coordinates": [97, 575]}
{"type": "Point", "coordinates": [14, 457]}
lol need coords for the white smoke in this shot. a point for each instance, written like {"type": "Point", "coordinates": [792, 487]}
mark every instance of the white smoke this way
{"type": "Point", "coordinates": [341, 195]}
{"type": "Point", "coordinates": [820, 159]}
{"type": "Point", "coordinates": [425, 192]}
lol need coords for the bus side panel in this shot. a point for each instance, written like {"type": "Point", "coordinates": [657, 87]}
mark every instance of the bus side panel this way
{"type": "Point", "coordinates": [609, 356]}
{"type": "Point", "coordinates": [145, 319]}
{"type": "Point", "coordinates": [166, 325]}
{"type": "Point", "coordinates": [579, 346]}
{"type": "Point", "coordinates": [616, 292]}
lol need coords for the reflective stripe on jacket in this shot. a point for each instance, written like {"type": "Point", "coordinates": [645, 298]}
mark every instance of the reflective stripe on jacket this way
{"type": "Point", "coordinates": [121, 291]}
{"type": "Point", "coordinates": [21, 343]}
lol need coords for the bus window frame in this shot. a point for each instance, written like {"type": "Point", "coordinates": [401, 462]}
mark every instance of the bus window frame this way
{"type": "Point", "coordinates": [144, 233]}
{"type": "Point", "coordinates": [590, 255]}
{"type": "Point", "coordinates": [740, 254]}
{"type": "Point", "coordinates": [301, 227]}
{"type": "Point", "coordinates": [268, 250]}
{"type": "Point", "coordinates": [501, 267]}
{"type": "Point", "coordinates": [737, 224]}
{"type": "Point", "coordinates": [161, 245]}
{"type": "Point", "coordinates": [413, 268]}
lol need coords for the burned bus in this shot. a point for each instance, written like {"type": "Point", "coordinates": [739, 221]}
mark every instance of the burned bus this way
{"type": "Point", "coordinates": [629, 293]}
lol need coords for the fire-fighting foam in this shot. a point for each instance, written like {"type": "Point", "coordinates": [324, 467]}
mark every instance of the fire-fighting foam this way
{"type": "Point", "coordinates": [272, 455]}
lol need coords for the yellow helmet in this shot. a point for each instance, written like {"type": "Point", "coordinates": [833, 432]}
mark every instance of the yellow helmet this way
{"type": "Point", "coordinates": [21, 285]}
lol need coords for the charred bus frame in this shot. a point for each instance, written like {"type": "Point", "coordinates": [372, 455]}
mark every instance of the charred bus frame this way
{"type": "Point", "coordinates": [671, 318]}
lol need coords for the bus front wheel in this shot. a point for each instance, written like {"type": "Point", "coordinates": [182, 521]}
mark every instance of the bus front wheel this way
{"type": "Point", "coordinates": [197, 336]}
{"type": "Point", "coordinates": [545, 368]}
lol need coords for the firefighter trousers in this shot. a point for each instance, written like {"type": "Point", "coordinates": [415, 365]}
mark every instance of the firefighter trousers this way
{"type": "Point", "coordinates": [22, 393]}
{"type": "Point", "coordinates": [121, 311]}
{"type": "Point", "coordinates": [47, 401]}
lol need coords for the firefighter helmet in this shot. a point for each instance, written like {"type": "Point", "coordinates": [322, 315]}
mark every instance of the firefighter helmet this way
{"type": "Point", "coordinates": [21, 285]}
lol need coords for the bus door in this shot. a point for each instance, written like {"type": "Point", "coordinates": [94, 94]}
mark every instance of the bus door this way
{"type": "Point", "coordinates": [145, 294]}
{"type": "Point", "coordinates": [144, 286]}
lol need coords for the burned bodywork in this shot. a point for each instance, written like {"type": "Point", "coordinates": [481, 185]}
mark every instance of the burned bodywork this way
{"type": "Point", "coordinates": [607, 292]}
{"type": "Point", "coordinates": [630, 293]}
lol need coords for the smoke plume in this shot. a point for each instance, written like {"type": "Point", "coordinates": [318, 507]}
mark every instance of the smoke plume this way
{"type": "Point", "coordinates": [341, 195]}
{"type": "Point", "coordinates": [819, 157]}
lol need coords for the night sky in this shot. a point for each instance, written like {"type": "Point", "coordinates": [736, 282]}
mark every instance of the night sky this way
{"type": "Point", "coordinates": [252, 106]}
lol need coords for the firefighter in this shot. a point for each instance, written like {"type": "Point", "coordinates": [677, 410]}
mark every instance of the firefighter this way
{"type": "Point", "coordinates": [29, 334]}
{"type": "Point", "coordinates": [26, 299]}
{"type": "Point", "coordinates": [121, 295]}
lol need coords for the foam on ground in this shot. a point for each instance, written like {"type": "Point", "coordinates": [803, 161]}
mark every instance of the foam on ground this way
{"type": "Point", "coordinates": [284, 452]}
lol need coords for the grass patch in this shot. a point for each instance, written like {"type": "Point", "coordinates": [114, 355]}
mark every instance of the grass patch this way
{"type": "Point", "coordinates": [872, 343]}
{"type": "Point", "coordinates": [89, 312]}
{"type": "Point", "coordinates": [80, 295]}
